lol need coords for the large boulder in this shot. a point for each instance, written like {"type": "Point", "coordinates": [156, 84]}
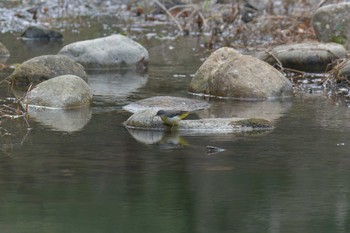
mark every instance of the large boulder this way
{"type": "Point", "coordinates": [309, 56]}
{"type": "Point", "coordinates": [62, 92]}
{"type": "Point", "coordinates": [227, 73]}
{"type": "Point", "coordinates": [45, 67]}
{"type": "Point", "coordinates": [41, 33]}
{"type": "Point", "coordinates": [332, 23]}
{"type": "Point", "coordinates": [112, 52]}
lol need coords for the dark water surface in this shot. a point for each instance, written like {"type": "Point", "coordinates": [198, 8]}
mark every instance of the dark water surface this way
{"type": "Point", "coordinates": [84, 172]}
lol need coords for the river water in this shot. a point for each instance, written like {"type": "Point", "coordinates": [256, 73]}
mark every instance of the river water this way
{"type": "Point", "coordinates": [84, 172]}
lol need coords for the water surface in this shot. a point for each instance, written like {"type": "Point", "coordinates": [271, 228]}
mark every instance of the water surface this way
{"type": "Point", "coordinates": [87, 173]}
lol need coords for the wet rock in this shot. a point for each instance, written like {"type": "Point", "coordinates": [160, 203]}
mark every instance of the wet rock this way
{"type": "Point", "coordinates": [45, 67]}
{"type": "Point", "coordinates": [41, 33]}
{"type": "Point", "coordinates": [332, 23]}
{"type": "Point", "coordinates": [62, 92]}
{"type": "Point", "coordinates": [112, 52]}
{"type": "Point", "coordinates": [147, 119]}
{"type": "Point", "coordinates": [167, 103]}
{"type": "Point", "coordinates": [309, 57]}
{"type": "Point", "coordinates": [227, 73]}
{"type": "Point", "coordinates": [4, 52]}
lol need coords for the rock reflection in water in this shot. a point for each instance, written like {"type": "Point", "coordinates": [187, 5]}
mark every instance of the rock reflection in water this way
{"type": "Point", "coordinates": [111, 86]}
{"type": "Point", "coordinates": [166, 139]}
{"type": "Point", "coordinates": [268, 110]}
{"type": "Point", "coordinates": [69, 120]}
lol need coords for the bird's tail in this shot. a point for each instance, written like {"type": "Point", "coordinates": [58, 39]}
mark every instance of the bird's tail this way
{"type": "Point", "coordinates": [183, 115]}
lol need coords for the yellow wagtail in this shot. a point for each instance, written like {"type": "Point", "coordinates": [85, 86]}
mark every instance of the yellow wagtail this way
{"type": "Point", "coordinates": [172, 118]}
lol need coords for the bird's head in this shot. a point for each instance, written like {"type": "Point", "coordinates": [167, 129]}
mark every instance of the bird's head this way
{"type": "Point", "coordinates": [160, 113]}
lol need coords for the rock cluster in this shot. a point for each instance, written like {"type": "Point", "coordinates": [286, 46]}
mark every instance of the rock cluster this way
{"type": "Point", "coordinates": [60, 81]}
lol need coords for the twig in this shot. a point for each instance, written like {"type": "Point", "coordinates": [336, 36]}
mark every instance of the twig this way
{"type": "Point", "coordinates": [169, 14]}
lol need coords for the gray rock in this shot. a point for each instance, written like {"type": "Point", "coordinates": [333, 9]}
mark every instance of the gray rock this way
{"type": "Point", "coordinates": [112, 52]}
{"type": "Point", "coordinates": [62, 92]}
{"type": "Point", "coordinates": [41, 33]}
{"type": "Point", "coordinates": [332, 23]}
{"type": "Point", "coordinates": [309, 57]}
{"type": "Point", "coordinates": [147, 119]}
{"type": "Point", "coordinates": [45, 67]}
{"type": "Point", "coordinates": [227, 73]}
{"type": "Point", "coordinates": [4, 52]}
{"type": "Point", "coordinates": [167, 103]}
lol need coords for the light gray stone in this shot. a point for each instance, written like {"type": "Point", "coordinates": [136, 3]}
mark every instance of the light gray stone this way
{"type": "Point", "coordinates": [229, 74]}
{"type": "Point", "coordinates": [111, 52]}
{"type": "Point", "coordinates": [62, 92]}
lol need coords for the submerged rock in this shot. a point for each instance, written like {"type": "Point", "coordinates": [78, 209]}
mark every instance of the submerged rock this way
{"type": "Point", "coordinates": [167, 103]}
{"type": "Point", "coordinates": [147, 119]}
{"type": "Point", "coordinates": [45, 67]}
{"type": "Point", "coordinates": [41, 33]}
{"type": "Point", "coordinates": [332, 23]}
{"type": "Point", "coordinates": [62, 92]}
{"type": "Point", "coordinates": [111, 52]}
{"type": "Point", "coordinates": [227, 73]}
{"type": "Point", "coordinates": [309, 57]}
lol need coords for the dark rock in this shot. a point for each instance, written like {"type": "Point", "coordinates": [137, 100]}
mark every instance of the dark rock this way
{"type": "Point", "coordinates": [45, 67]}
{"type": "Point", "coordinates": [227, 73]}
{"type": "Point", "coordinates": [309, 57]}
{"type": "Point", "coordinates": [41, 33]}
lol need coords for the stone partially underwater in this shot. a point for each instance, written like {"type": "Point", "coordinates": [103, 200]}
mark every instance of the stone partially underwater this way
{"type": "Point", "coordinates": [229, 74]}
{"type": "Point", "coordinates": [147, 120]}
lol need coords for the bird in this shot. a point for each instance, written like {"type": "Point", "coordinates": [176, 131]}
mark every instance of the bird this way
{"type": "Point", "coordinates": [172, 118]}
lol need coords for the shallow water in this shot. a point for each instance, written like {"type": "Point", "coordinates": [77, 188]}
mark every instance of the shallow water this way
{"type": "Point", "coordinates": [84, 172]}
